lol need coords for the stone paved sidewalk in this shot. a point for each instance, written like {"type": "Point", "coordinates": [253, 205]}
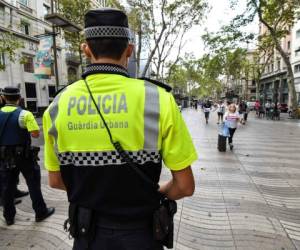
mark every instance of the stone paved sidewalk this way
{"type": "Point", "coordinates": [245, 199]}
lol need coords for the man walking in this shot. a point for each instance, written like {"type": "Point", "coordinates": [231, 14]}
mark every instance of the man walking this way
{"type": "Point", "coordinates": [16, 127]}
{"type": "Point", "coordinates": [89, 156]}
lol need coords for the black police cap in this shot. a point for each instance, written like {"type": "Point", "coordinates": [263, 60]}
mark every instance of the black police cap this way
{"type": "Point", "coordinates": [106, 23]}
{"type": "Point", "coordinates": [11, 91]}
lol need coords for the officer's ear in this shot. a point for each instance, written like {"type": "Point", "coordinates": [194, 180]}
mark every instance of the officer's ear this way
{"type": "Point", "coordinates": [129, 50]}
{"type": "Point", "coordinates": [86, 50]}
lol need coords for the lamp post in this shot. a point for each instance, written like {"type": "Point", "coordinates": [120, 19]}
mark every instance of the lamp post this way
{"type": "Point", "coordinates": [58, 21]}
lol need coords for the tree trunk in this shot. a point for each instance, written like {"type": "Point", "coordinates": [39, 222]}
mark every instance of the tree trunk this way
{"type": "Point", "coordinates": [291, 80]}
{"type": "Point", "coordinates": [257, 89]}
{"type": "Point", "coordinates": [153, 52]}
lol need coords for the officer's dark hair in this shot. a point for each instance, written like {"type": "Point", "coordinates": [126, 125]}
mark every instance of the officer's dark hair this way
{"type": "Point", "coordinates": [12, 98]}
{"type": "Point", "coordinates": [106, 47]}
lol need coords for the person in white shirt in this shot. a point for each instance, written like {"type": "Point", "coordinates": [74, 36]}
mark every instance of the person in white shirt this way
{"type": "Point", "coordinates": [221, 111]}
{"type": "Point", "coordinates": [231, 118]}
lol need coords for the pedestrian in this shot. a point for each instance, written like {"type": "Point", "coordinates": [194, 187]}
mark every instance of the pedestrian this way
{"type": "Point", "coordinates": [247, 110]}
{"type": "Point", "coordinates": [231, 118]}
{"type": "Point", "coordinates": [105, 139]}
{"type": "Point", "coordinates": [242, 110]}
{"type": "Point", "coordinates": [268, 107]}
{"type": "Point", "coordinates": [220, 111]}
{"type": "Point", "coordinates": [206, 109]}
{"type": "Point", "coordinates": [196, 104]}
{"type": "Point", "coordinates": [257, 107]}
{"type": "Point", "coordinates": [16, 127]}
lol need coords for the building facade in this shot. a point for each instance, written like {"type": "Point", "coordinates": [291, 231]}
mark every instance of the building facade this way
{"type": "Point", "coordinates": [295, 56]}
{"type": "Point", "coordinates": [274, 83]}
{"type": "Point", "coordinates": [25, 20]}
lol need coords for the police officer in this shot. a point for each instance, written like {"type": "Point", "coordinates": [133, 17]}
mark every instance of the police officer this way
{"type": "Point", "coordinates": [141, 116]}
{"type": "Point", "coordinates": [16, 127]}
{"type": "Point", "coordinates": [19, 193]}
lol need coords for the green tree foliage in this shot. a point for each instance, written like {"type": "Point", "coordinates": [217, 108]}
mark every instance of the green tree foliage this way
{"type": "Point", "coordinates": [9, 45]}
{"type": "Point", "coordinates": [74, 10]}
{"type": "Point", "coordinates": [198, 77]}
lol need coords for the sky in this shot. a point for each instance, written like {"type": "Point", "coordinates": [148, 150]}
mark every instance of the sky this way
{"type": "Point", "coordinates": [220, 14]}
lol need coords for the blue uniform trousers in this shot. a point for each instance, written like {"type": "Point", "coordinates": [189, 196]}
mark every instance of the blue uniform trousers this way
{"type": "Point", "coordinates": [9, 179]}
{"type": "Point", "coordinates": [111, 239]}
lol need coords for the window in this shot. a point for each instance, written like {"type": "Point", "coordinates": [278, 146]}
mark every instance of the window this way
{"type": "Point", "coordinates": [253, 83]}
{"type": "Point", "coordinates": [31, 100]}
{"type": "Point", "coordinates": [289, 44]}
{"type": "Point", "coordinates": [46, 9]}
{"type": "Point", "coordinates": [278, 65]}
{"type": "Point", "coordinates": [52, 91]}
{"type": "Point", "coordinates": [23, 2]}
{"type": "Point", "coordinates": [298, 34]}
{"type": "Point", "coordinates": [25, 28]}
{"type": "Point", "coordinates": [30, 90]}
{"type": "Point", "coordinates": [297, 68]}
{"type": "Point", "coordinates": [28, 65]}
{"type": "Point", "coordinates": [253, 91]}
{"type": "Point", "coordinates": [2, 13]}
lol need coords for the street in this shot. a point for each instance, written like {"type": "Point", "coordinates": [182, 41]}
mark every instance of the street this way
{"type": "Point", "coordinates": [245, 199]}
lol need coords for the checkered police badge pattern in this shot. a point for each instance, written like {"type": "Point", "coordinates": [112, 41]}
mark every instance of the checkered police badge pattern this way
{"type": "Point", "coordinates": [94, 68]}
{"type": "Point", "coordinates": [106, 158]}
{"type": "Point", "coordinates": [107, 31]}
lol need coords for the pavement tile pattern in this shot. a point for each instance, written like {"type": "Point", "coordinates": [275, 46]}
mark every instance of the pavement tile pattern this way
{"type": "Point", "coordinates": [245, 199]}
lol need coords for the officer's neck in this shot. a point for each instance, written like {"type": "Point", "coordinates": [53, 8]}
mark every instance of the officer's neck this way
{"type": "Point", "coordinates": [120, 62]}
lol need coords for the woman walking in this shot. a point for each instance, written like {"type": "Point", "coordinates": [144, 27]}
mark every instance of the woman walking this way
{"type": "Point", "coordinates": [231, 118]}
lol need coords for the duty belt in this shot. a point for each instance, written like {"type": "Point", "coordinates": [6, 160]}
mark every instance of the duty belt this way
{"type": "Point", "coordinates": [9, 155]}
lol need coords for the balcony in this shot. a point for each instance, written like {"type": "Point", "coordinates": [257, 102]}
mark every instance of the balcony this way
{"type": "Point", "coordinates": [72, 59]}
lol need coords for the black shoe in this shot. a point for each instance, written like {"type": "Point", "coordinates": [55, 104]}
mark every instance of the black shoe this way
{"type": "Point", "coordinates": [48, 213]}
{"type": "Point", "coordinates": [10, 222]}
{"type": "Point", "coordinates": [20, 193]}
{"type": "Point", "coordinates": [231, 146]}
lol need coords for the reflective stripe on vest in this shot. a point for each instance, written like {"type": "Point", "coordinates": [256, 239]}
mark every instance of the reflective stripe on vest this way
{"type": "Point", "coordinates": [53, 112]}
{"type": "Point", "coordinates": [151, 116]}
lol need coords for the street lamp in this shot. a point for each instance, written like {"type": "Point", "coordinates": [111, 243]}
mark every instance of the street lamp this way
{"type": "Point", "coordinates": [58, 21]}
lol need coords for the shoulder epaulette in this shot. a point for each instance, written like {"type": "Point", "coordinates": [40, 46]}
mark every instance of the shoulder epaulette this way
{"type": "Point", "coordinates": [158, 83]}
{"type": "Point", "coordinates": [60, 90]}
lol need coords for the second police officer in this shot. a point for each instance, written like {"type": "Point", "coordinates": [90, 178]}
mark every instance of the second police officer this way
{"type": "Point", "coordinates": [17, 126]}
{"type": "Point", "coordinates": [103, 188]}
